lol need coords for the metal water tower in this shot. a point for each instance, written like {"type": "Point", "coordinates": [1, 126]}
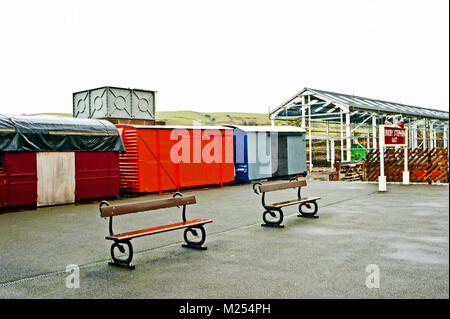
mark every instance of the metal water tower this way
{"type": "Point", "coordinates": [115, 103]}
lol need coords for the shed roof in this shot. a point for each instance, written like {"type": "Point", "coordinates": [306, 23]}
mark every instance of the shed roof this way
{"type": "Point", "coordinates": [324, 103]}
{"type": "Point", "coordinates": [57, 133]}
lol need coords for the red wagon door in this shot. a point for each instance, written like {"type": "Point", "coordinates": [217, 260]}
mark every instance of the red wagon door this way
{"type": "Point", "coordinates": [97, 175]}
{"type": "Point", "coordinates": [18, 179]}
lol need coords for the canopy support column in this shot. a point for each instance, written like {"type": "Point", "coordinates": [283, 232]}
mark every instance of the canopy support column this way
{"type": "Point", "coordinates": [368, 139]}
{"type": "Point", "coordinates": [431, 134]}
{"type": "Point", "coordinates": [445, 136]}
{"type": "Point", "coordinates": [327, 141]}
{"type": "Point", "coordinates": [332, 153]}
{"type": "Point", "coordinates": [415, 135]}
{"type": "Point", "coordinates": [424, 135]}
{"type": "Point", "coordinates": [303, 112]}
{"type": "Point", "coordinates": [342, 137]}
{"type": "Point", "coordinates": [310, 132]}
{"type": "Point", "coordinates": [374, 131]}
{"type": "Point", "coordinates": [347, 135]}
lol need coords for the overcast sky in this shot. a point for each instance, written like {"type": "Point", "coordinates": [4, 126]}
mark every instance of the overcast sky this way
{"type": "Point", "coordinates": [216, 56]}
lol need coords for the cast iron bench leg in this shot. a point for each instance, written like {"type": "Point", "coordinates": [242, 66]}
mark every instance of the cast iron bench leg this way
{"type": "Point", "coordinates": [273, 223]}
{"type": "Point", "coordinates": [126, 263]}
{"type": "Point", "coordinates": [308, 214]}
{"type": "Point", "coordinates": [194, 244]}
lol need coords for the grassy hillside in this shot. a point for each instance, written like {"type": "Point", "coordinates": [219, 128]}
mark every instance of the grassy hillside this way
{"type": "Point", "coordinates": [59, 114]}
{"type": "Point", "coordinates": [217, 118]}
{"type": "Point", "coordinates": [206, 119]}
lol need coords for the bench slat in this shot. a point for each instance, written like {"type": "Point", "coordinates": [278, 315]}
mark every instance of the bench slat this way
{"type": "Point", "coordinates": [283, 185]}
{"type": "Point", "coordinates": [292, 202]}
{"type": "Point", "coordinates": [156, 230]}
{"type": "Point", "coordinates": [121, 209]}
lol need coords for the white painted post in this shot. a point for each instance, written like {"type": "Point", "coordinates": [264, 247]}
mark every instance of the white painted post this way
{"type": "Point", "coordinates": [424, 135]}
{"type": "Point", "coordinates": [368, 139]}
{"type": "Point", "coordinates": [405, 169]}
{"type": "Point", "coordinates": [347, 135]}
{"type": "Point", "coordinates": [434, 138]}
{"type": "Point", "coordinates": [410, 139]}
{"type": "Point", "coordinates": [332, 153]}
{"type": "Point", "coordinates": [342, 138]}
{"type": "Point", "coordinates": [381, 178]}
{"type": "Point", "coordinates": [431, 135]}
{"type": "Point", "coordinates": [374, 132]}
{"type": "Point", "coordinates": [310, 137]}
{"type": "Point", "coordinates": [303, 112]}
{"type": "Point", "coordinates": [405, 160]}
{"type": "Point", "coordinates": [415, 135]}
{"type": "Point", "coordinates": [445, 136]}
{"type": "Point", "coordinates": [327, 141]}
{"type": "Point", "coordinates": [446, 140]}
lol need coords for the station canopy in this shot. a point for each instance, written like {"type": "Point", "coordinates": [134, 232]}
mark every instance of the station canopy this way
{"type": "Point", "coordinates": [57, 133]}
{"type": "Point", "coordinates": [327, 106]}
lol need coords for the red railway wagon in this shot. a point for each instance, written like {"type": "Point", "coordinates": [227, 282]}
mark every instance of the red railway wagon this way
{"type": "Point", "coordinates": [49, 160]}
{"type": "Point", "coordinates": [162, 158]}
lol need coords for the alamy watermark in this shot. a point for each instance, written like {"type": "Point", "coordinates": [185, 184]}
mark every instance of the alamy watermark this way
{"type": "Point", "coordinates": [217, 146]}
{"type": "Point", "coordinates": [73, 279]}
{"type": "Point", "coordinates": [373, 279]}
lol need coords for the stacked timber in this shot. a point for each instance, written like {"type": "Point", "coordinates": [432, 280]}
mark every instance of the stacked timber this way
{"type": "Point", "coordinates": [350, 171]}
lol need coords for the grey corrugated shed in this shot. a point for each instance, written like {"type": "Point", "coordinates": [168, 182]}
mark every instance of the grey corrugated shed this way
{"type": "Point", "coordinates": [364, 103]}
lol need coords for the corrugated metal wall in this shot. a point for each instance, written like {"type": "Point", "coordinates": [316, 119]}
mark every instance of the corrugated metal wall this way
{"type": "Point", "coordinates": [149, 168]}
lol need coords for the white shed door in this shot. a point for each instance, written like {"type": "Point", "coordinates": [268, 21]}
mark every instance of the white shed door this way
{"type": "Point", "coordinates": [56, 178]}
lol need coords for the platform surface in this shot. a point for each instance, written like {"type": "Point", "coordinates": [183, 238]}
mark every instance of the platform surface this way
{"type": "Point", "coordinates": [404, 231]}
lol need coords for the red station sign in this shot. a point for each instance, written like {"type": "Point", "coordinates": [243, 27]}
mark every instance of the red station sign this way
{"type": "Point", "coordinates": [394, 136]}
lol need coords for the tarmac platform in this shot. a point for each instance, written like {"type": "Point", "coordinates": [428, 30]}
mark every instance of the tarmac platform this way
{"type": "Point", "coordinates": [404, 232]}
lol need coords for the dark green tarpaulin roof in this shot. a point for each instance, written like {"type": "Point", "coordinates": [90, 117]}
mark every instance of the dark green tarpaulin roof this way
{"type": "Point", "coordinates": [57, 133]}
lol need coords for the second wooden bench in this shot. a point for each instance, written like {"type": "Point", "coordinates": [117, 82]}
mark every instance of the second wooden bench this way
{"type": "Point", "coordinates": [310, 203]}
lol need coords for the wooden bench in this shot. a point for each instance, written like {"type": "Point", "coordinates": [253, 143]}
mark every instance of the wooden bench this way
{"type": "Point", "coordinates": [120, 240]}
{"type": "Point", "coordinates": [272, 209]}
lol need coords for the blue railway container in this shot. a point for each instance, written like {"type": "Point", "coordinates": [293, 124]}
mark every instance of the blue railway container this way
{"type": "Point", "coordinates": [262, 152]}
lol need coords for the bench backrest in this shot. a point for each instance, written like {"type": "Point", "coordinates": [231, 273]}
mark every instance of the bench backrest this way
{"type": "Point", "coordinates": [122, 209]}
{"type": "Point", "coordinates": [281, 186]}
